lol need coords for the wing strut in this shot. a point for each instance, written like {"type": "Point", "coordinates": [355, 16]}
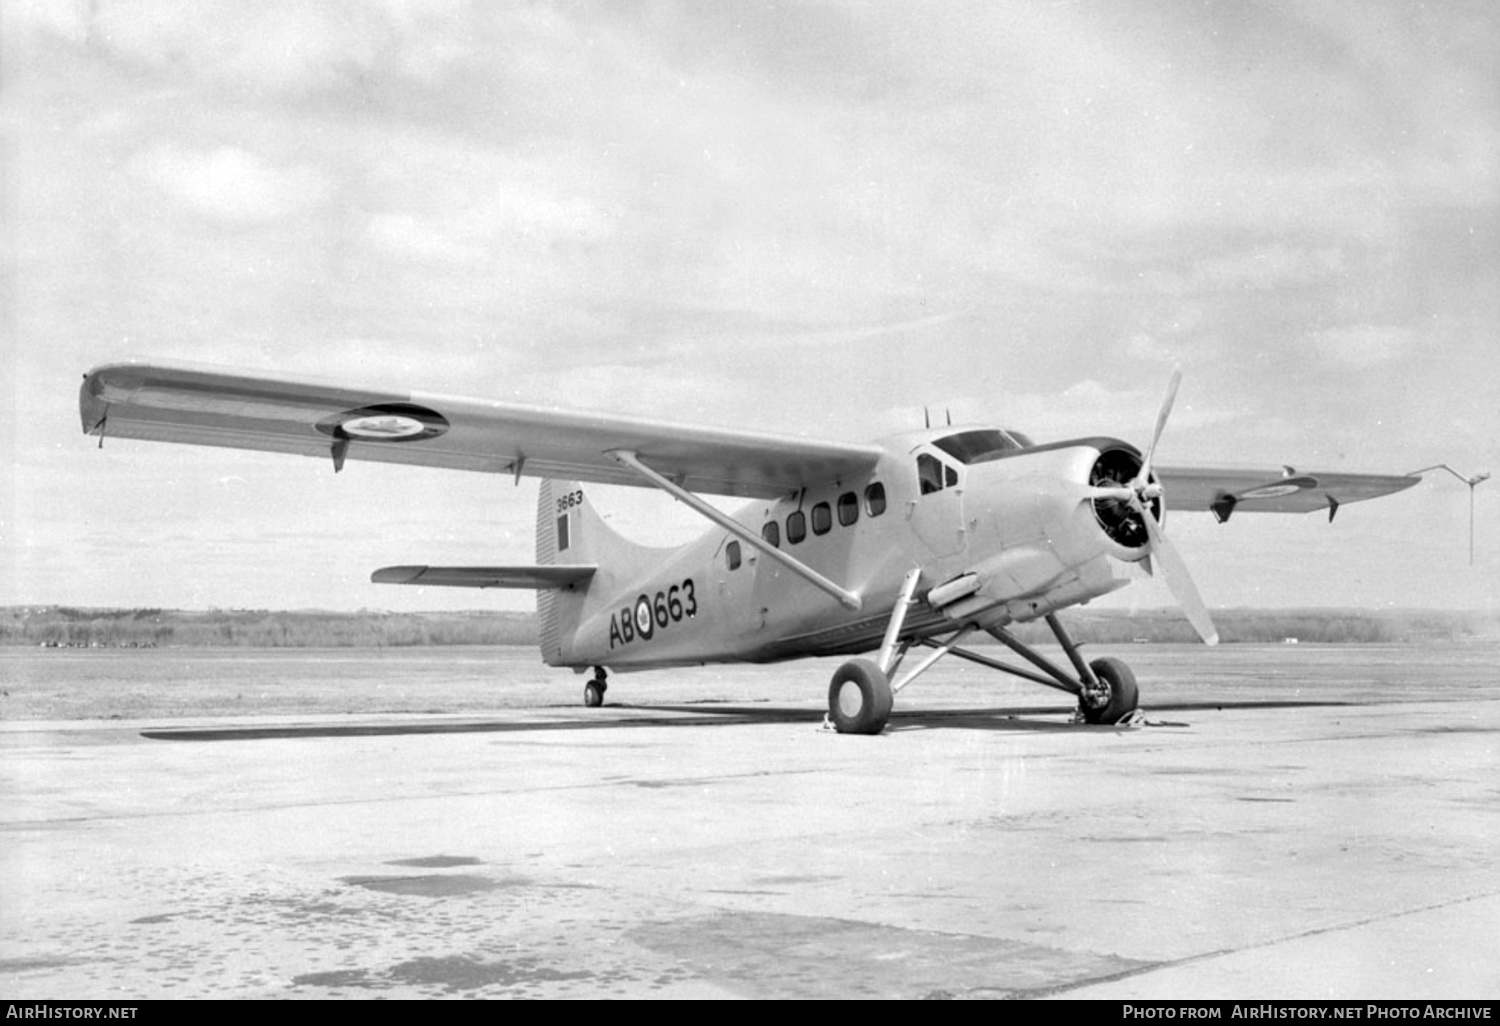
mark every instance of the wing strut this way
{"type": "Point", "coordinates": [846, 598]}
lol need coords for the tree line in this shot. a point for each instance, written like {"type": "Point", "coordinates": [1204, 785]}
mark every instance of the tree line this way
{"type": "Point", "coordinates": [73, 627]}
{"type": "Point", "coordinates": [82, 627]}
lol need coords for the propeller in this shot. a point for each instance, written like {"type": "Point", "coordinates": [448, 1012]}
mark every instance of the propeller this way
{"type": "Point", "coordinates": [1143, 479]}
{"type": "Point", "coordinates": [1139, 495]}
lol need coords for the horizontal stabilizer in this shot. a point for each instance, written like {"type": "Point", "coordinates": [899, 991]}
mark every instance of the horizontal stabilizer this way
{"type": "Point", "coordinates": [532, 577]}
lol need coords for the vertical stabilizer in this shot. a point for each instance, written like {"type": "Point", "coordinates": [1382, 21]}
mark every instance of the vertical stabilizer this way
{"type": "Point", "coordinates": [569, 530]}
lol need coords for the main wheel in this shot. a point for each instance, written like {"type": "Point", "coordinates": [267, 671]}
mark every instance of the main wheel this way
{"type": "Point", "coordinates": [593, 694]}
{"type": "Point", "coordinates": [859, 698]}
{"type": "Point", "coordinates": [1117, 696]}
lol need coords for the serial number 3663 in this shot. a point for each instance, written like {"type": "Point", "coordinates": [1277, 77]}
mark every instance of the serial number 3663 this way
{"type": "Point", "coordinates": [650, 613]}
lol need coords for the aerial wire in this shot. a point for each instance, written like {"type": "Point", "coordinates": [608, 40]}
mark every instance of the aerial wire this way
{"type": "Point", "coordinates": [1472, 482]}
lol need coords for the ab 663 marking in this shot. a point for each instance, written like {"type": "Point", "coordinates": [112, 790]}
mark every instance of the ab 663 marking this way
{"type": "Point", "coordinates": [652, 613]}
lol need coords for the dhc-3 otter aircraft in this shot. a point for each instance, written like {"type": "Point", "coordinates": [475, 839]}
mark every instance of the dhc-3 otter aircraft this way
{"type": "Point", "coordinates": [917, 541]}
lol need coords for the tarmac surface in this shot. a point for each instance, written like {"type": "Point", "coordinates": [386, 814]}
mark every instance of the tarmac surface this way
{"type": "Point", "coordinates": [1290, 844]}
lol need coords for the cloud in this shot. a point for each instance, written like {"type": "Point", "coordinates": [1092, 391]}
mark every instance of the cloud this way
{"type": "Point", "coordinates": [514, 216]}
{"type": "Point", "coordinates": [1183, 348]}
{"type": "Point", "coordinates": [279, 48]}
{"type": "Point", "coordinates": [231, 185]}
{"type": "Point", "coordinates": [423, 238]}
{"type": "Point", "coordinates": [1270, 266]}
{"type": "Point", "coordinates": [1362, 345]}
{"type": "Point", "coordinates": [276, 48]}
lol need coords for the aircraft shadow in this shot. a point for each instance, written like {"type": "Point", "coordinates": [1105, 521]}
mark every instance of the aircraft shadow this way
{"type": "Point", "coordinates": [698, 715]}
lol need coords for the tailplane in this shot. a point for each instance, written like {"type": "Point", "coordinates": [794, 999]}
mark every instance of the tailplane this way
{"type": "Point", "coordinates": [578, 557]}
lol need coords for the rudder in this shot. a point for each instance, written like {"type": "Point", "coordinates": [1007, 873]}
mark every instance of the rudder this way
{"type": "Point", "coordinates": [569, 530]}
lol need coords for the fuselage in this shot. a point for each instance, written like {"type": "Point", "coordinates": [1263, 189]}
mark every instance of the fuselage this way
{"type": "Point", "coordinates": [1006, 525]}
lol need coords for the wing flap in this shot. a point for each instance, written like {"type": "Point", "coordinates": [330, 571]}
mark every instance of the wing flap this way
{"type": "Point", "coordinates": [544, 578]}
{"type": "Point", "coordinates": [1225, 490]}
{"type": "Point", "coordinates": [216, 407]}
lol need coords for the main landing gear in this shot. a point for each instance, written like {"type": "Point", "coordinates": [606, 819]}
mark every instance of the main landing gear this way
{"type": "Point", "coordinates": [593, 691]}
{"type": "Point", "coordinates": [859, 699]}
{"type": "Point", "coordinates": [861, 693]}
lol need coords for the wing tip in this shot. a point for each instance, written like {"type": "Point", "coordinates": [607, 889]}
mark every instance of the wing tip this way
{"type": "Point", "coordinates": [397, 574]}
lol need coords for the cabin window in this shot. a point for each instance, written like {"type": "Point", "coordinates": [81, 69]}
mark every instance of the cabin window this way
{"type": "Point", "coordinates": [562, 533]}
{"type": "Point", "coordinates": [796, 527]}
{"type": "Point", "coordinates": [822, 518]}
{"type": "Point", "coordinates": [875, 499]}
{"type": "Point", "coordinates": [771, 532]}
{"type": "Point", "coordinates": [732, 555]}
{"type": "Point", "coordinates": [848, 509]}
{"type": "Point", "coordinates": [950, 476]}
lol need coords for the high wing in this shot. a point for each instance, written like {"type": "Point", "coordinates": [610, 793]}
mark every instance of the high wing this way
{"type": "Point", "coordinates": [529, 577]}
{"type": "Point", "coordinates": [1226, 490]}
{"type": "Point", "coordinates": [214, 406]}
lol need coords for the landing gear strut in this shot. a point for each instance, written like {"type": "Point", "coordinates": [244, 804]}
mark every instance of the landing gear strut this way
{"type": "Point", "coordinates": [593, 691]}
{"type": "Point", "coordinates": [860, 695]}
{"type": "Point", "coordinates": [1105, 688]}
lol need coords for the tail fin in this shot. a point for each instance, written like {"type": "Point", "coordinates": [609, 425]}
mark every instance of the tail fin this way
{"type": "Point", "coordinates": [570, 531]}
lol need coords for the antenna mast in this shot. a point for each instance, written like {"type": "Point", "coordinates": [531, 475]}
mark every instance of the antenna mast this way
{"type": "Point", "coordinates": [1472, 482]}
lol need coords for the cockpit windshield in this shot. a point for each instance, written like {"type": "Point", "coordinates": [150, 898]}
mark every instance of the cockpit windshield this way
{"type": "Point", "coordinates": [978, 446]}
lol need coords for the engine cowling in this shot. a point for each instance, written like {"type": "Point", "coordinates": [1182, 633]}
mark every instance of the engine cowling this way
{"type": "Point", "coordinates": [1116, 467]}
{"type": "Point", "coordinates": [1041, 539]}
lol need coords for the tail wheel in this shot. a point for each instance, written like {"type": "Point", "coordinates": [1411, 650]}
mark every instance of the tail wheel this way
{"type": "Point", "coordinates": [593, 694]}
{"type": "Point", "coordinates": [1115, 698]}
{"type": "Point", "coordinates": [859, 698]}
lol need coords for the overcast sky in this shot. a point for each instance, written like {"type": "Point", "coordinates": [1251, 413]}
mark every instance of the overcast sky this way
{"type": "Point", "coordinates": [804, 217]}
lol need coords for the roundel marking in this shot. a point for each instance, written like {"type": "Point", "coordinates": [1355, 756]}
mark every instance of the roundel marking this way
{"type": "Point", "coordinates": [1271, 491]}
{"type": "Point", "coordinates": [386, 422]}
{"type": "Point", "coordinates": [389, 426]}
{"type": "Point", "coordinates": [644, 622]}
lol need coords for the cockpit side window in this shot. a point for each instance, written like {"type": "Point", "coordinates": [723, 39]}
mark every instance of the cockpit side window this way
{"type": "Point", "coordinates": [934, 475]}
{"type": "Point", "coordinates": [929, 474]}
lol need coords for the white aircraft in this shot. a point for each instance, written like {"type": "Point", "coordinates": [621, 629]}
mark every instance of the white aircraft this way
{"type": "Point", "coordinates": [920, 540]}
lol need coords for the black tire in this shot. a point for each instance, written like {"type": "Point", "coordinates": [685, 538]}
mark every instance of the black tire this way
{"type": "Point", "coordinates": [593, 694]}
{"type": "Point", "coordinates": [859, 698]}
{"type": "Point", "coordinates": [1123, 696]}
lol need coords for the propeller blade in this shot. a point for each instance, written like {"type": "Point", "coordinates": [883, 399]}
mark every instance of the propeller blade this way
{"type": "Point", "coordinates": [1179, 581]}
{"type": "Point", "coordinates": [1144, 477]}
{"type": "Point", "coordinates": [1119, 494]}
